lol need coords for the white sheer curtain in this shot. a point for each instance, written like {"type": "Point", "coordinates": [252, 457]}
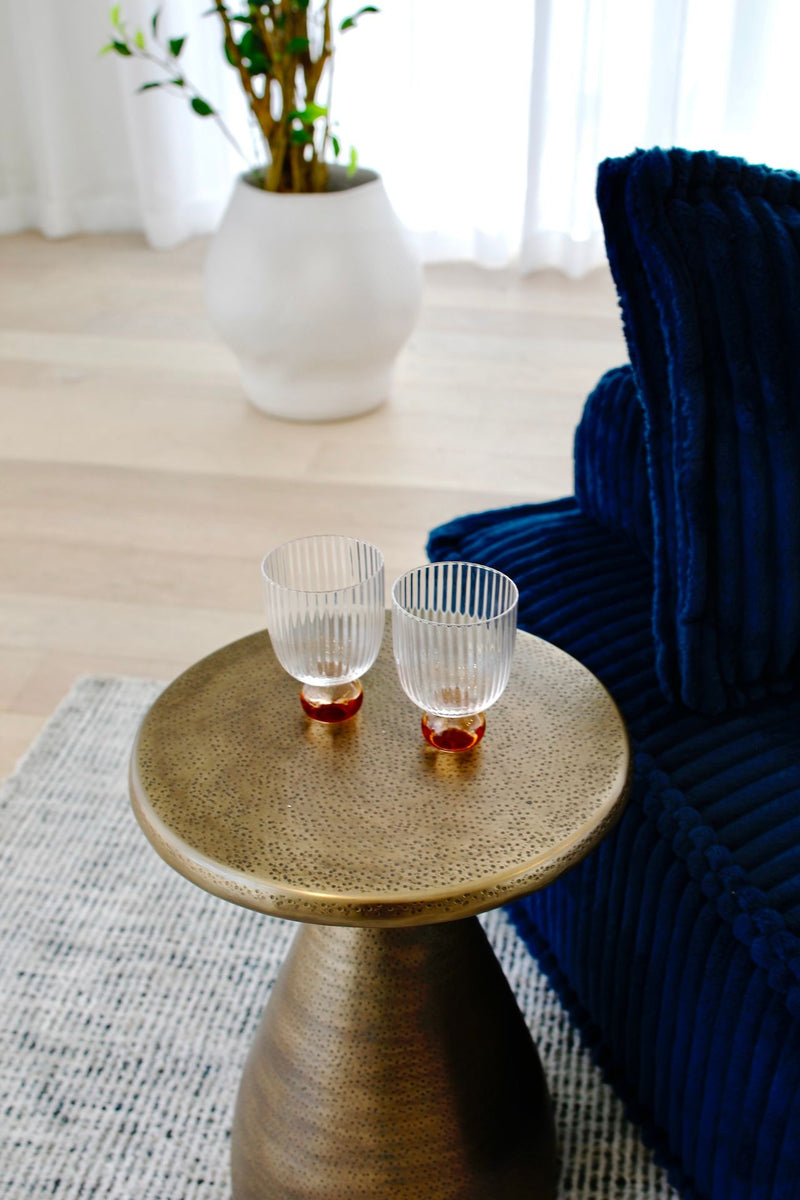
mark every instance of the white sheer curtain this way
{"type": "Point", "coordinates": [486, 121]}
{"type": "Point", "coordinates": [612, 75]}
{"type": "Point", "coordinates": [80, 152]}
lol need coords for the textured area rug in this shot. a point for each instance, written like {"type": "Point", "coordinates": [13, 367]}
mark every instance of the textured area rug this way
{"type": "Point", "coordinates": [128, 997]}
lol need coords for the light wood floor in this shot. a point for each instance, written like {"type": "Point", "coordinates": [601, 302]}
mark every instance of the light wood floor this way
{"type": "Point", "coordinates": [139, 491]}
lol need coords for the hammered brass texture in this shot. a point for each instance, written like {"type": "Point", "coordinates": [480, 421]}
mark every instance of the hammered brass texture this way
{"type": "Point", "coordinates": [393, 1064]}
{"type": "Point", "coordinates": [364, 823]}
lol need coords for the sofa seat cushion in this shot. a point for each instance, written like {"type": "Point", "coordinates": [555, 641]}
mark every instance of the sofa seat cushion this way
{"type": "Point", "coordinates": [676, 944]}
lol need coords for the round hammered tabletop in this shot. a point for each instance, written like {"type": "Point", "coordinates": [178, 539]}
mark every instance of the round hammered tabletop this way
{"type": "Point", "coordinates": [363, 823]}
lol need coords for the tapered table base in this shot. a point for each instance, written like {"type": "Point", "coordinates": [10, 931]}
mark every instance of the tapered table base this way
{"type": "Point", "coordinates": [393, 1064]}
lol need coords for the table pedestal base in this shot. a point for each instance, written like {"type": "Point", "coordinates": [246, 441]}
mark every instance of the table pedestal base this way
{"type": "Point", "coordinates": [393, 1064]}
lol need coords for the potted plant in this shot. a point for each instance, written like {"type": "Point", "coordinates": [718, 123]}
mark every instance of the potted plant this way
{"type": "Point", "coordinates": [310, 278]}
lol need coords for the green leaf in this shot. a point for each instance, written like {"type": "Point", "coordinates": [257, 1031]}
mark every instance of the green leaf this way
{"type": "Point", "coordinates": [201, 107]}
{"type": "Point", "coordinates": [176, 45]}
{"type": "Point", "coordinates": [353, 163]}
{"type": "Point", "coordinates": [116, 9]}
{"type": "Point", "coordinates": [297, 45]}
{"type": "Point", "coordinates": [139, 39]}
{"type": "Point", "coordinates": [122, 48]}
{"type": "Point", "coordinates": [350, 22]}
{"type": "Point", "coordinates": [308, 115]}
{"type": "Point", "coordinates": [154, 22]}
{"type": "Point", "coordinates": [337, 146]}
{"type": "Point", "coordinates": [226, 50]}
{"type": "Point", "coordinates": [251, 44]}
{"type": "Point", "coordinates": [254, 53]}
{"type": "Point", "coordinates": [106, 49]}
{"type": "Point", "coordinates": [302, 137]}
{"type": "Point", "coordinates": [259, 65]}
{"type": "Point", "coordinates": [157, 83]}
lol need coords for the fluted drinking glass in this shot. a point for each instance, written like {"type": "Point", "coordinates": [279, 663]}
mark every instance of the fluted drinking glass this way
{"type": "Point", "coordinates": [325, 615]}
{"type": "Point", "coordinates": [453, 630]}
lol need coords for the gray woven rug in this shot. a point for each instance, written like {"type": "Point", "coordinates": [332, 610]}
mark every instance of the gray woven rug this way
{"type": "Point", "coordinates": [128, 997]}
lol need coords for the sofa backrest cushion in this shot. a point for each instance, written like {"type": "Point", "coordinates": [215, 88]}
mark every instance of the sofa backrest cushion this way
{"type": "Point", "coordinates": [705, 253]}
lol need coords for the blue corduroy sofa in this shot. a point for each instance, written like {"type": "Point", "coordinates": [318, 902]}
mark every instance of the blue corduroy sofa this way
{"type": "Point", "coordinates": [674, 575]}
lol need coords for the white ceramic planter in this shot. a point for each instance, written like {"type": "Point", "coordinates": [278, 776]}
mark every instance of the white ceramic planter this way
{"type": "Point", "coordinates": [316, 295]}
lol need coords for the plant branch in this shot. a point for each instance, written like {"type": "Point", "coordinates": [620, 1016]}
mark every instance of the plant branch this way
{"type": "Point", "coordinates": [328, 102]}
{"type": "Point", "coordinates": [233, 49]}
{"type": "Point", "coordinates": [169, 66]}
{"type": "Point", "coordinates": [260, 105]}
{"type": "Point", "coordinates": [313, 72]}
{"type": "Point", "coordinates": [260, 22]}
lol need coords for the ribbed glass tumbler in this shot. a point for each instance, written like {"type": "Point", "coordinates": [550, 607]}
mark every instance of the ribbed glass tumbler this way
{"type": "Point", "coordinates": [325, 615]}
{"type": "Point", "coordinates": [453, 629]}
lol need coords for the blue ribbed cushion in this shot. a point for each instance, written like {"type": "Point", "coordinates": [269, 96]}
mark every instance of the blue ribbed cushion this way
{"type": "Point", "coordinates": [675, 944]}
{"type": "Point", "coordinates": [611, 481]}
{"type": "Point", "coordinates": [705, 253]}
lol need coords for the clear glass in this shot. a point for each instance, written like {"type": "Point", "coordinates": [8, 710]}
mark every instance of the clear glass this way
{"type": "Point", "coordinates": [454, 626]}
{"type": "Point", "coordinates": [325, 615]}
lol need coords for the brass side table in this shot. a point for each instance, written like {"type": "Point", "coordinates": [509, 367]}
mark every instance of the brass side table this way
{"type": "Point", "coordinates": [392, 1062]}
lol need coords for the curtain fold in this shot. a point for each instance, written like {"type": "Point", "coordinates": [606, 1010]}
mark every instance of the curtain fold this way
{"type": "Point", "coordinates": [610, 76]}
{"type": "Point", "coordinates": [487, 124]}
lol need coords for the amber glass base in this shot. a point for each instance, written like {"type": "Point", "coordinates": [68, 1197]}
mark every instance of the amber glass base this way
{"type": "Point", "coordinates": [332, 704]}
{"type": "Point", "coordinates": [453, 733]}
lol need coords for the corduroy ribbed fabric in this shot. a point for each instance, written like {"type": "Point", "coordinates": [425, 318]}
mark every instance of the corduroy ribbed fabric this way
{"type": "Point", "coordinates": [611, 480]}
{"type": "Point", "coordinates": [705, 253]}
{"type": "Point", "coordinates": [676, 944]}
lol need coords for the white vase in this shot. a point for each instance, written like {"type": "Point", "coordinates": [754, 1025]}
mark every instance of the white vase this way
{"type": "Point", "coordinates": [315, 293]}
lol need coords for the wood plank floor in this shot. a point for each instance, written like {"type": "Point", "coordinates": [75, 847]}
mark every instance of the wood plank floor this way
{"type": "Point", "coordinates": [138, 490]}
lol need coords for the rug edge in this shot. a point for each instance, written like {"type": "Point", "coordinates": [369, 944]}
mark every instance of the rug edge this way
{"type": "Point", "coordinates": [79, 686]}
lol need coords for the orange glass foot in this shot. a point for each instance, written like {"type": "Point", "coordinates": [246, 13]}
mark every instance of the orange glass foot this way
{"type": "Point", "coordinates": [453, 733]}
{"type": "Point", "coordinates": [332, 704]}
